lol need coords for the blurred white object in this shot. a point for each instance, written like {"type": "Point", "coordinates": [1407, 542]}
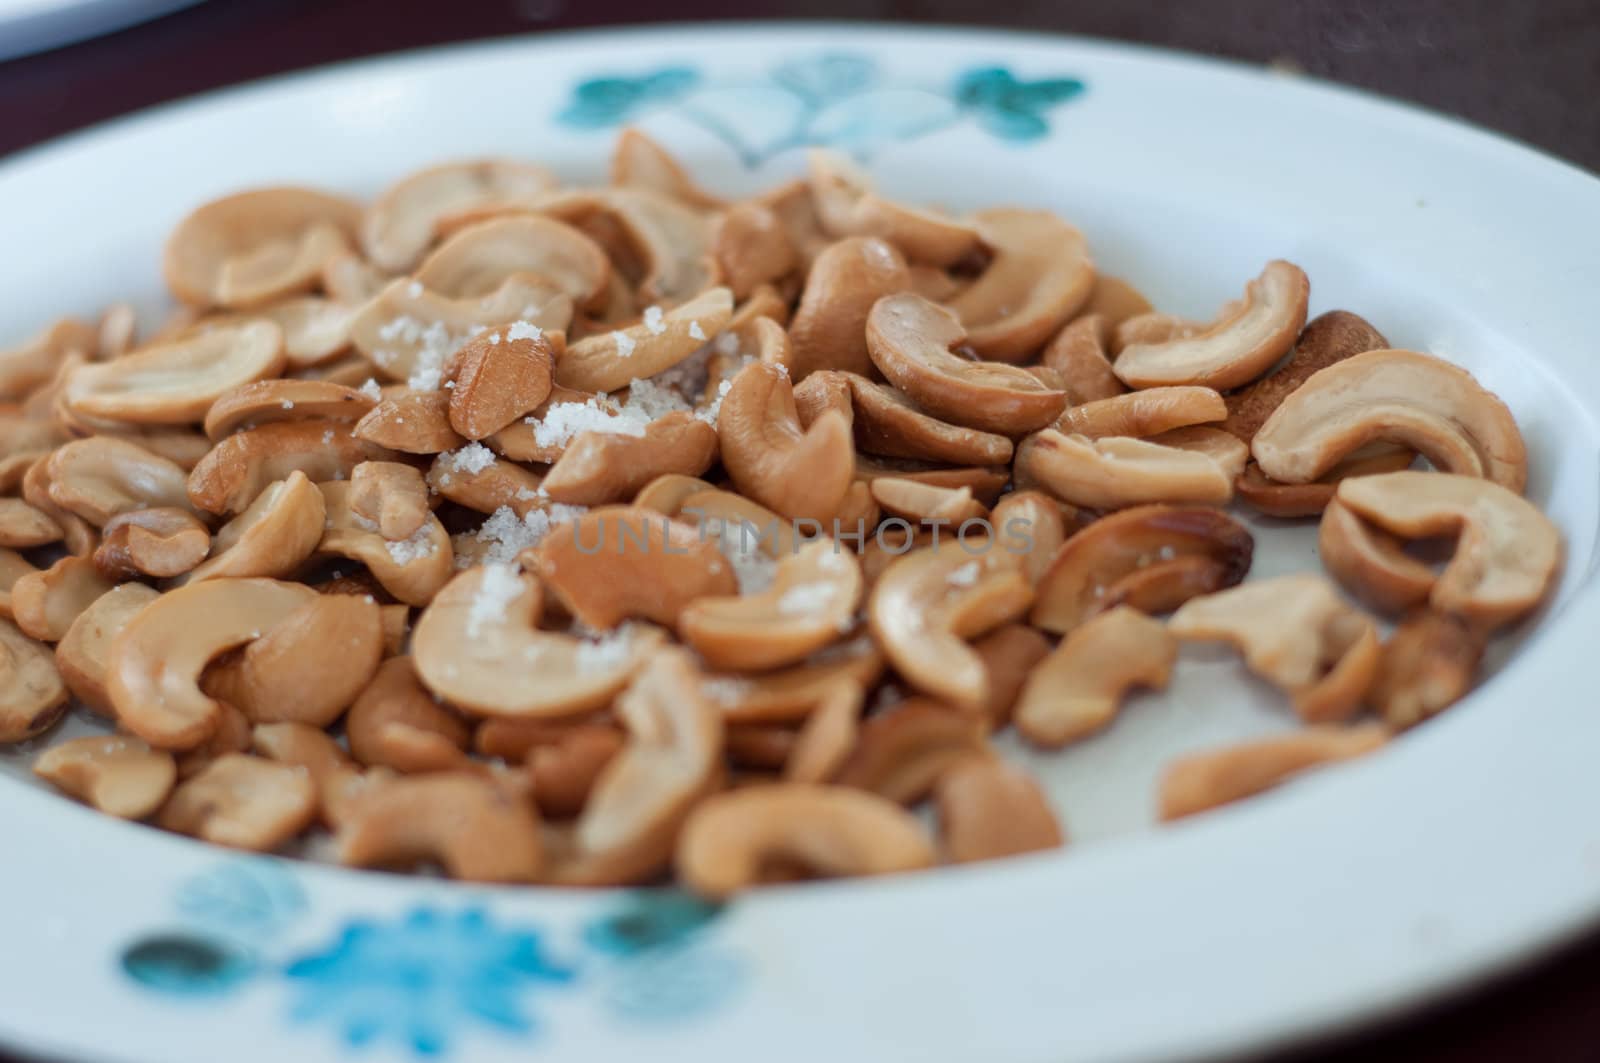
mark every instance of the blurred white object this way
{"type": "Point", "coordinates": [28, 26]}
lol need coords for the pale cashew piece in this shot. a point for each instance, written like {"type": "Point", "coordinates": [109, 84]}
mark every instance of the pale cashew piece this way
{"type": "Point", "coordinates": [611, 360]}
{"type": "Point", "coordinates": [911, 340]}
{"type": "Point", "coordinates": [732, 839]}
{"type": "Point", "coordinates": [162, 542]}
{"type": "Point", "coordinates": [32, 695]}
{"type": "Point", "coordinates": [637, 161]}
{"type": "Point", "coordinates": [887, 423]}
{"type": "Point", "coordinates": [272, 537]}
{"type": "Point", "coordinates": [115, 774]}
{"type": "Point", "coordinates": [812, 600]}
{"type": "Point", "coordinates": [1033, 526]}
{"type": "Point", "coordinates": [241, 466]}
{"type": "Point", "coordinates": [22, 526]}
{"type": "Point", "coordinates": [791, 694]}
{"type": "Point", "coordinates": [1326, 339]}
{"type": "Point", "coordinates": [153, 671]}
{"type": "Point", "coordinates": [1143, 413]}
{"type": "Point", "coordinates": [176, 382]}
{"type": "Point", "coordinates": [350, 280]}
{"type": "Point", "coordinates": [473, 827]}
{"type": "Point", "coordinates": [255, 246]}
{"type": "Point", "coordinates": [478, 641]}
{"type": "Point", "coordinates": [925, 503]}
{"type": "Point", "coordinates": [83, 652]}
{"type": "Point", "coordinates": [458, 477]}
{"type": "Point", "coordinates": [989, 809]}
{"type": "Point", "coordinates": [395, 723]}
{"type": "Point", "coordinates": [752, 248]}
{"type": "Point", "coordinates": [265, 401]}
{"type": "Point", "coordinates": [1009, 654]}
{"type": "Point", "coordinates": [847, 206]}
{"type": "Point", "coordinates": [1079, 688]}
{"type": "Point", "coordinates": [1275, 499]}
{"type": "Point", "coordinates": [332, 771]}
{"type": "Point", "coordinates": [478, 259]}
{"type": "Point", "coordinates": [13, 566]}
{"type": "Point", "coordinates": [1296, 633]}
{"type": "Point", "coordinates": [1234, 350]}
{"type": "Point", "coordinates": [829, 326]}
{"type": "Point", "coordinates": [401, 223]}
{"type": "Point", "coordinates": [243, 802]}
{"type": "Point", "coordinates": [666, 493]}
{"type": "Point", "coordinates": [1423, 402]}
{"type": "Point", "coordinates": [1039, 277]}
{"type": "Point", "coordinates": [1507, 552]}
{"type": "Point", "coordinates": [826, 738]}
{"type": "Point", "coordinates": [1370, 563]}
{"type": "Point", "coordinates": [900, 754]}
{"type": "Point", "coordinates": [1224, 448]}
{"type": "Point", "coordinates": [1115, 300]}
{"type": "Point", "coordinates": [1427, 665]}
{"type": "Point", "coordinates": [563, 771]}
{"type": "Point", "coordinates": [620, 562]}
{"type": "Point", "coordinates": [35, 362]}
{"type": "Point", "coordinates": [926, 606]}
{"type": "Point", "coordinates": [987, 481]}
{"type": "Point", "coordinates": [1078, 355]}
{"type": "Point", "coordinates": [1117, 471]}
{"type": "Point", "coordinates": [415, 422]}
{"type": "Point", "coordinates": [77, 534]}
{"type": "Point", "coordinates": [232, 735]}
{"type": "Point", "coordinates": [670, 241]}
{"type": "Point", "coordinates": [44, 604]}
{"type": "Point", "coordinates": [411, 569]}
{"type": "Point", "coordinates": [316, 331]}
{"type": "Point", "coordinates": [101, 477]}
{"type": "Point", "coordinates": [801, 474]}
{"type": "Point", "coordinates": [598, 468]}
{"type": "Point", "coordinates": [1203, 781]}
{"type": "Point", "coordinates": [497, 380]}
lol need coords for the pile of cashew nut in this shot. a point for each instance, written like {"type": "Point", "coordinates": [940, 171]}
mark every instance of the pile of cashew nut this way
{"type": "Point", "coordinates": [314, 549]}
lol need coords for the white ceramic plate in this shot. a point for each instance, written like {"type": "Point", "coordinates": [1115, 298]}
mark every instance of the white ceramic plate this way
{"type": "Point", "coordinates": [1466, 846]}
{"type": "Point", "coordinates": [34, 25]}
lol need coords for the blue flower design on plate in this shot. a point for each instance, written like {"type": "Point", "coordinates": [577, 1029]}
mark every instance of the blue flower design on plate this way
{"type": "Point", "coordinates": [609, 101]}
{"type": "Point", "coordinates": [417, 981]}
{"type": "Point", "coordinates": [1009, 108]}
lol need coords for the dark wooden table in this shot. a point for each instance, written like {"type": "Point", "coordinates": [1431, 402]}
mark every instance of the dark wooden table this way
{"type": "Point", "coordinates": [1529, 70]}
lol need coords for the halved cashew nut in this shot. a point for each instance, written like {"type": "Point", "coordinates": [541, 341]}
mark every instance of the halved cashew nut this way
{"type": "Point", "coordinates": [751, 248]}
{"type": "Point", "coordinates": [274, 535]}
{"type": "Point", "coordinates": [1326, 339]}
{"type": "Point", "coordinates": [798, 474]}
{"type": "Point", "coordinates": [791, 694]}
{"type": "Point", "coordinates": [395, 723]}
{"type": "Point", "coordinates": [162, 542]}
{"type": "Point", "coordinates": [248, 248]}
{"type": "Point", "coordinates": [1423, 402]}
{"type": "Point", "coordinates": [1224, 448]}
{"type": "Point", "coordinates": [1427, 665]}
{"type": "Point", "coordinates": [176, 382]}
{"type": "Point", "coordinates": [32, 695]}
{"type": "Point", "coordinates": [926, 503]}
{"type": "Point", "coordinates": [1117, 471]}
{"type": "Point", "coordinates": [1143, 413]}
{"type": "Point", "coordinates": [103, 476]}
{"type": "Point", "coordinates": [731, 839]}
{"type": "Point", "coordinates": [467, 478]}
{"type": "Point", "coordinates": [23, 369]}
{"type": "Point", "coordinates": [1079, 688]}
{"type": "Point", "coordinates": [610, 360]}
{"type": "Point", "coordinates": [1033, 526]}
{"type": "Point", "coordinates": [598, 468]}
{"type": "Point", "coordinates": [1203, 781]}
{"type": "Point", "coordinates": [1009, 653]}
{"type": "Point", "coordinates": [1078, 355]}
{"type": "Point", "coordinates": [153, 673]}
{"type": "Point", "coordinates": [497, 380]}
{"type": "Point", "coordinates": [826, 738]}
{"type": "Point", "coordinates": [1370, 563]}
{"type": "Point", "coordinates": [45, 603]}
{"type": "Point", "coordinates": [847, 206]}
{"type": "Point", "coordinates": [392, 495]}
{"type": "Point", "coordinates": [829, 326]}
{"type": "Point", "coordinates": [667, 492]}
{"type": "Point", "coordinates": [470, 825]}
{"type": "Point", "coordinates": [265, 401]}
{"type": "Point", "coordinates": [900, 754]}
{"type": "Point", "coordinates": [1240, 346]}
{"type": "Point", "coordinates": [402, 222]}
{"type": "Point", "coordinates": [911, 340]}
{"type": "Point", "coordinates": [1115, 300]}
{"type": "Point", "coordinates": [813, 598]}
{"type": "Point", "coordinates": [115, 774]}
{"type": "Point", "coordinates": [639, 162]}
{"type": "Point", "coordinates": [83, 652]}
{"type": "Point", "coordinates": [889, 424]}
{"type": "Point", "coordinates": [1296, 633]}
{"type": "Point", "coordinates": [478, 259]}
{"type": "Point", "coordinates": [989, 809]}
{"type": "Point", "coordinates": [1265, 495]}
{"type": "Point", "coordinates": [926, 606]}
{"type": "Point", "coordinates": [478, 641]}
{"type": "Point", "coordinates": [316, 331]}
{"type": "Point", "coordinates": [22, 526]}
{"type": "Point", "coordinates": [414, 422]}
{"type": "Point", "coordinates": [1507, 552]}
{"type": "Point", "coordinates": [332, 771]}
{"type": "Point", "coordinates": [671, 241]}
{"type": "Point", "coordinates": [411, 569]}
{"type": "Point", "coordinates": [239, 468]}
{"type": "Point", "coordinates": [77, 534]}
{"type": "Point", "coordinates": [1039, 277]}
{"type": "Point", "coordinates": [621, 562]}
{"type": "Point", "coordinates": [243, 802]}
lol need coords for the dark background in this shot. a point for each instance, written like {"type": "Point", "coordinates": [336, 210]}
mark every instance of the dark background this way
{"type": "Point", "coordinates": [1528, 69]}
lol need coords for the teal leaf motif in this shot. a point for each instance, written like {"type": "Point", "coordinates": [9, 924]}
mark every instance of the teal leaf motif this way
{"type": "Point", "coordinates": [613, 101]}
{"type": "Point", "coordinates": [830, 76]}
{"type": "Point", "coordinates": [1009, 108]}
{"type": "Point", "coordinates": [183, 964]}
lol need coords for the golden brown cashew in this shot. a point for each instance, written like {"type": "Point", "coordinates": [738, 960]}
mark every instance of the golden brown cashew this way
{"type": "Point", "coordinates": [475, 643]}
{"type": "Point", "coordinates": [670, 241]}
{"type": "Point", "coordinates": [667, 493]}
{"type": "Point", "coordinates": [414, 422]}
{"type": "Point", "coordinates": [153, 672]}
{"type": "Point", "coordinates": [79, 537]}
{"type": "Point", "coordinates": [752, 248]}
{"type": "Point", "coordinates": [82, 653]}
{"type": "Point", "coordinates": [900, 754]}
{"type": "Point", "coordinates": [1143, 413]}
{"type": "Point", "coordinates": [1326, 339]}
{"type": "Point", "coordinates": [232, 735]}
{"type": "Point", "coordinates": [1240, 346]}
{"type": "Point", "coordinates": [316, 331]}
{"type": "Point", "coordinates": [479, 258]}
{"type": "Point", "coordinates": [847, 206]}
{"type": "Point", "coordinates": [887, 423]}
{"type": "Point", "coordinates": [1507, 552]}
{"type": "Point", "coordinates": [350, 280]}
{"type": "Point", "coordinates": [1370, 563]}
{"type": "Point", "coordinates": [395, 723]}
{"type": "Point", "coordinates": [672, 758]}
{"type": "Point", "coordinates": [989, 809]}
{"type": "Point", "coordinates": [910, 340]}
{"type": "Point", "coordinates": [1009, 654]}
{"type": "Point", "coordinates": [1296, 633]}
{"type": "Point", "coordinates": [411, 569]}
{"type": "Point", "coordinates": [826, 738]}
{"type": "Point", "coordinates": [1116, 472]}
{"type": "Point", "coordinates": [1039, 277]}
{"type": "Point", "coordinates": [987, 481]}
{"type": "Point", "coordinates": [239, 468]}
{"type": "Point", "coordinates": [1203, 781]}
{"type": "Point", "coordinates": [474, 478]}
{"type": "Point", "coordinates": [799, 474]}
{"type": "Point", "coordinates": [284, 400]}
{"type": "Point", "coordinates": [402, 222]}
{"type": "Point", "coordinates": [255, 246]}
{"type": "Point", "coordinates": [498, 378]}
{"type": "Point", "coordinates": [829, 326]}
{"type": "Point", "coordinates": [639, 162]}
{"type": "Point", "coordinates": [1275, 499]}
{"type": "Point", "coordinates": [101, 477]}
{"type": "Point", "coordinates": [621, 562]}
{"type": "Point", "coordinates": [22, 526]}
{"type": "Point", "coordinates": [1427, 665]}
{"type": "Point", "coordinates": [176, 382]}
{"type": "Point", "coordinates": [1079, 688]}
{"type": "Point", "coordinates": [564, 770]}
{"type": "Point", "coordinates": [812, 600]}
{"type": "Point", "coordinates": [278, 531]}
{"type": "Point", "coordinates": [929, 602]}
{"type": "Point", "coordinates": [243, 802]}
{"type": "Point", "coordinates": [25, 368]}
{"type": "Point", "coordinates": [13, 566]}
{"type": "Point", "coordinates": [332, 771]}
{"type": "Point", "coordinates": [162, 542]}
{"type": "Point", "coordinates": [32, 695]}
{"type": "Point", "coordinates": [790, 694]}
{"type": "Point", "coordinates": [1115, 300]}
{"type": "Point", "coordinates": [925, 503]}
{"type": "Point", "coordinates": [391, 495]}
{"type": "Point", "coordinates": [1032, 526]}
{"type": "Point", "coordinates": [115, 774]}
{"type": "Point", "coordinates": [1403, 397]}
{"type": "Point", "coordinates": [306, 668]}
{"type": "Point", "coordinates": [472, 826]}
{"type": "Point", "coordinates": [610, 360]}
{"type": "Point", "coordinates": [44, 604]}
{"type": "Point", "coordinates": [732, 840]}
{"type": "Point", "coordinates": [599, 468]}
{"type": "Point", "coordinates": [1224, 448]}
{"type": "Point", "coordinates": [1078, 355]}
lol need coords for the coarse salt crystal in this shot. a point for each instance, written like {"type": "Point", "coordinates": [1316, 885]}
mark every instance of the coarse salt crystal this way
{"type": "Point", "coordinates": [419, 546]}
{"type": "Point", "coordinates": [805, 599]}
{"type": "Point", "coordinates": [414, 289]}
{"type": "Point", "coordinates": [472, 458]}
{"type": "Point", "coordinates": [287, 404]}
{"type": "Point", "coordinates": [371, 390]}
{"type": "Point", "coordinates": [653, 322]}
{"type": "Point", "coordinates": [965, 576]}
{"type": "Point", "coordinates": [498, 587]}
{"type": "Point", "coordinates": [695, 331]}
{"type": "Point", "coordinates": [524, 330]}
{"type": "Point", "coordinates": [624, 343]}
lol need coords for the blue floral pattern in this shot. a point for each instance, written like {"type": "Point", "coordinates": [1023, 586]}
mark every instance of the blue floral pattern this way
{"type": "Point", "coordinates": [837, 100]}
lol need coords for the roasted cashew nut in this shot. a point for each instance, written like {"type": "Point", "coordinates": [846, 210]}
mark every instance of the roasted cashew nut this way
{"type": "Point", "coordinates": [332, 772]}
{"type": "Point", "coordinates": [1427, 665]}
{"type": "Point", "coordinates": [1039, 277]}
{"type": "Point", "coordinates": [900, 754]}
{"type": "Point", "coordinates": [847, 206]}
{"type": "Point", "coordinates": [411, 569]}
{"type": "Point", "coordinates": [825, 740]}
{"type": "Point", "coordinates": [791, 694]}
{"type": "Point", "coordinates": [1326, 339]}
{"type": "Point", "coordinates": [239, 468]}
{"type": "Point", "coordinates": [889, 424]}
{"type": "Point", "coordinates": [1275, 499]}
{"type": "Point", "coordinates": [1203, 781]}
{"type": "Point", "coordinates": [32, 695]}
{"type": "Point", "coordinates": [563, 771]}
{"type": "Point", "coordinates": [672, 241]}
{"type": "Point", "coordinates": [829, 326]}
{"type": "Point", "coordinates": [798, 474]}
{"type": "Point", "coordinates": [115, 774]}
{"type": "Point", "coordinates": [103, 476]}
{"type": "Point", "coordinates": [265, 401]}
{"type": "Point", "coordinates": [392, 495]}
{"type": "Point", "coordinates": [926, 503]}
{"type": "Point", "coordinates": [752, 248]}
{"type": "Point", "coordinates": [598, 468]}
{"type": "Point", "coordinates": [23, 526]}
{"type": "Point", "coordinates": [1117, 471]}
{"type": "Point", "coordinates": [405, 219]}
{"type": "Point", "coordinates": [161, 541]}
{"type": "Point", "coordinates": [498, 378]}
{"type": "Point", "coordinates": [274, 535]}
{"type": "Point", "coordinates": [479, 258]}
{"type": "Point", "coordinates": [1033, 525]}
{"type": "Point", "coordinates": [243, 802]}
{"type": "Point", "coordinates": [639, 162]}
{"type": "Point", "coordinates": [25, 368]}
{"type": "Point", "coordinates": [471, 825]}
{"type": "Point", "coordinates": [412, 422]}
{"type": "Point", "coordinates": [611, 360]}
{"type": "Point", "coordinates": [1143, 413]}
{"type": "Point", "coordinates": [1370, 563]}
{"type": "Point", "coordinates": [1079, 688]}
{"type": "Point", "coordinates": [176, 382]}
{"type": "Point", "coordinates": [45, 603]}
{"type": "Point", "coordinates": [1078, 355]}
{"type": "Point", "coordinates": [395, 723]}
{"type": "Point", "coordinates": [83, 652]}
{"type": "Point", "coordinates": [989, 809]}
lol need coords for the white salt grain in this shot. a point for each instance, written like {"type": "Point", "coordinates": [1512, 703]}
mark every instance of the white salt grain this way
{"type": "Point", "coordinates": [653, 322]}
{"type": "Point", "coordinates": [497, 589]}
{"type": "Point", "coordinates": [695, 331]}
{"type": "Point", "coordinates": [624, 343]}
{"type": "Point", "coordinates": [965, 576]}
{"type": "Point", "coordinates": [524, 330]}
{"type": "Point", "coordinates": [472, 458]}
